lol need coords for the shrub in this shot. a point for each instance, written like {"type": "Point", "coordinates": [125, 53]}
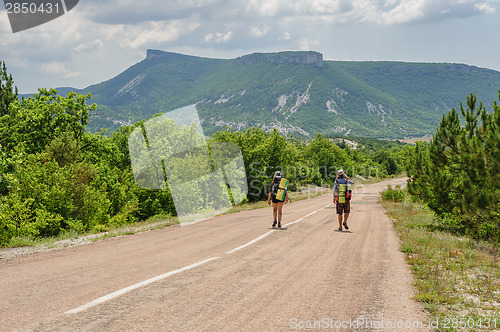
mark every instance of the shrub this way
{"type": "Point", "coordinates": [393, 194]}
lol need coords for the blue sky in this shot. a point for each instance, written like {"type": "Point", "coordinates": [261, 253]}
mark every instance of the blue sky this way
{"type": "Point", "coordinates": [99, 39]}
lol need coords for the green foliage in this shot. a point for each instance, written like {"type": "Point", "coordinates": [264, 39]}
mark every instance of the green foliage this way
{"type": "Point", "coordinates": [263, 154]}
{"type": "Point", "coordinates": [301, 162]}
{"type": "Point", "coordinates": [8, 93]}
{"type": "Point", "coordinates": [326, 155]}
{"type": "Point", "coordinates": [393, 194]}
{"type": "Point", "coordinates": [35, 122]}
{"type": "Point", "coordinates": [391, 162]}
{"type": "Point", "coordinates": [458, 173]}
{"type": "Point", "coordinates": [56, 178]}
{"type": "Point", "coordinates": [456, 277]}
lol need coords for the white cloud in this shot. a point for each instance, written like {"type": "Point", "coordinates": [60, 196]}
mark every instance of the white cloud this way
{"type": "Point", "coordinates": [133, 12]}
{"type": "Point", "coordinates": [154, 33]}
{"type": "Point", "coordinates": [286, 36]}
{"type": "Point", "coordinates": [335, 7]}
{"type": "Point", "coordinates": [266, 8]}
{"type": "Point", "coordinates": [484, 8]}
{"type": "Point", "coordinates": [103, 38]}
{"type": "Point", "coordinates": [307, 45]}
{"type": "Point", "coordinates": [396, 12]}
{"type": "Point", "coordinates": [88, 47]}
{"type": "Point", "coordinates": [403, 12]}
{"type": "Point", "coordinates": [219, 37]}
{"type": "Point", "coordinates": [209, 37]}
{"type": "Point", "coordinates": [56, 68]}
{"type": "Point", "coordinates": [384, 12]}
{"type": "Point", "coordinates": [259, 32]}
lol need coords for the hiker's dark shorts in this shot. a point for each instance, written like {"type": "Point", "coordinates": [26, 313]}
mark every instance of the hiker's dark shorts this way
{"type": "Point", "coordinates": [273, 198]}
{"type": "Point", "coordinates": [344, 207]}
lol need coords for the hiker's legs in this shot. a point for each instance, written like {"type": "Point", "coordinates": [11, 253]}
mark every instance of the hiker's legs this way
{"type": "Point", "coordinates": [347, 211]}
{"type": "Point", "coordinates": [280, 211]}
{"type": "Point", "coordinates": [340, 209]}
{"type": "Point", "coordinates": [275, 210]}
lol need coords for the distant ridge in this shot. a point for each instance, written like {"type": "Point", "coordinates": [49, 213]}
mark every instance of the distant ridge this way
{"type": "Point", "coordinates": [297, 93]}
{"type": "Point", "coordinates": [304, 58]}
{"type": "Point", "coordinates": [158, 55]}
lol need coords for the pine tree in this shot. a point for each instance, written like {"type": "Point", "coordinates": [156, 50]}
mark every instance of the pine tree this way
{"type": "Point", "coordinates": [458, 173]}
{"type": "Point", "coordinates": [7, 93]}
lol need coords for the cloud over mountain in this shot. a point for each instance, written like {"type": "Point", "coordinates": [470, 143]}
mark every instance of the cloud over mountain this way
{"type": "Point", "coordinates": [117, 32]}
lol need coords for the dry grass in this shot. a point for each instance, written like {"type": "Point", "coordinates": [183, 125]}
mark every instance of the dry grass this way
{"type": "Point", "coordinates": [457, 278]}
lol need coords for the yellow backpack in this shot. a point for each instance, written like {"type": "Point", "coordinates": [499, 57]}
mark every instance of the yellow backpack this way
{"type": "Point", "coordinates": [282, 186]}
{"type": "Point", "coordinates": [342, 189]}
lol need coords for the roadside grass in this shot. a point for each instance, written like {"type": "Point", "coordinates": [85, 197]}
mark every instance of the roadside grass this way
{"type": "Point", "coordinates": [70, 238]}
{"type": "Point", "coordinates": [457, 278]}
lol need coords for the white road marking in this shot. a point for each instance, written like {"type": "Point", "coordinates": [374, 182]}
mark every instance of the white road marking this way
{"type": "Point", "coordinates": [268, 233]}
{"type": "Point", "coordinates": [250, 243]}
{"type": "Point", "coordinates": [123, 291]}
{"type": "Point", "coordinates": [294, 222]}
{"type": "Point", "coordinates": [133, 287]}
{"type": "Point", "coordinates": [310, 214]}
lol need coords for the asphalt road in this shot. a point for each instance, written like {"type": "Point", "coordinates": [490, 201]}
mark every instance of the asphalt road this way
{"type": "Point", "coordinates": [228, 273]}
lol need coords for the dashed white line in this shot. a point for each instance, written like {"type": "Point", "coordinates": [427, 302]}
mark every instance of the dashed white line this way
{"type": "Point", "coordinates": [250, 243]}
{"type": "Point", "coordinates": [133, 287]}
{"type": "Point", "coordinates": [123, 291]}
{"type": "Point", "coordinates": [268, 233]}
{"type": "Point", "coordinates": [294, 222]}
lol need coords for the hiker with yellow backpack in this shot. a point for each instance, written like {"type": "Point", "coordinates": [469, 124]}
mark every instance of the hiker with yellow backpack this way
{"type": "Point", "coordinates": [342, 197]}
{"type": "Point", "coordinates": [278, 195]}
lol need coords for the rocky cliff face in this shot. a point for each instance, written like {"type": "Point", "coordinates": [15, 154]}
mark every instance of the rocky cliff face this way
{"type": "Point", "coordinates": [155, 54]}
{"type": "Point", "coordinates": [304, 58]}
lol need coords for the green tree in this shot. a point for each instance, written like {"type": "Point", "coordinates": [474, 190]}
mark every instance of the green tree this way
{"type": "Point", "coordinates": [457, 174]}
{"type": "Point", "coordinates": [326, 156]}
{"type": "Point", "coordinates": [263, 154]}
{"type": "Point", "coordinates": [390, 160]}
{"type": "Point", "coordinates": [35, 122]}
{"type": "Point", "coordinates": [8, 93]}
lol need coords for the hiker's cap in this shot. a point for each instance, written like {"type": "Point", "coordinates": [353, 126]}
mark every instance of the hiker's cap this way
{"type": "Point", "coordinates": [277, 173]}
{"type": "Point", "coordinates": [341, 171]}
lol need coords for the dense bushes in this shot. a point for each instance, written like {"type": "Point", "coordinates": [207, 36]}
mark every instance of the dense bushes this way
{"type": "Point", "coordinates": [302, 162]}
{"type": "Point", "coordinates": [458, 172]}
{"type": "Point", "coordinates": [77, 181]}
{"type": "Point", "coordinates": [55, 177]}
{"type": "Point", "coordinates": [393, 194]}
{"type": "Point", "coordinates": [49, 183]}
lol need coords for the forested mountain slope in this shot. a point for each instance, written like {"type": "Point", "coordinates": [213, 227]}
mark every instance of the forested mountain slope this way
{"type": "Point", "coordinates": [298, 93]}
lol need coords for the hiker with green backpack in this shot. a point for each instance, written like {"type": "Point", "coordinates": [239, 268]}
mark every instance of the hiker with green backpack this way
{"type": "Point", "coordinates": [342, 197]}
{"type": "Point", "coordinates": [278, 195]}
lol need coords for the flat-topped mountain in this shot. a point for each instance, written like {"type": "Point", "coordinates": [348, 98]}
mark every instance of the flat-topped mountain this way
{"type": "Point", "coordinates": [297, 93]}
